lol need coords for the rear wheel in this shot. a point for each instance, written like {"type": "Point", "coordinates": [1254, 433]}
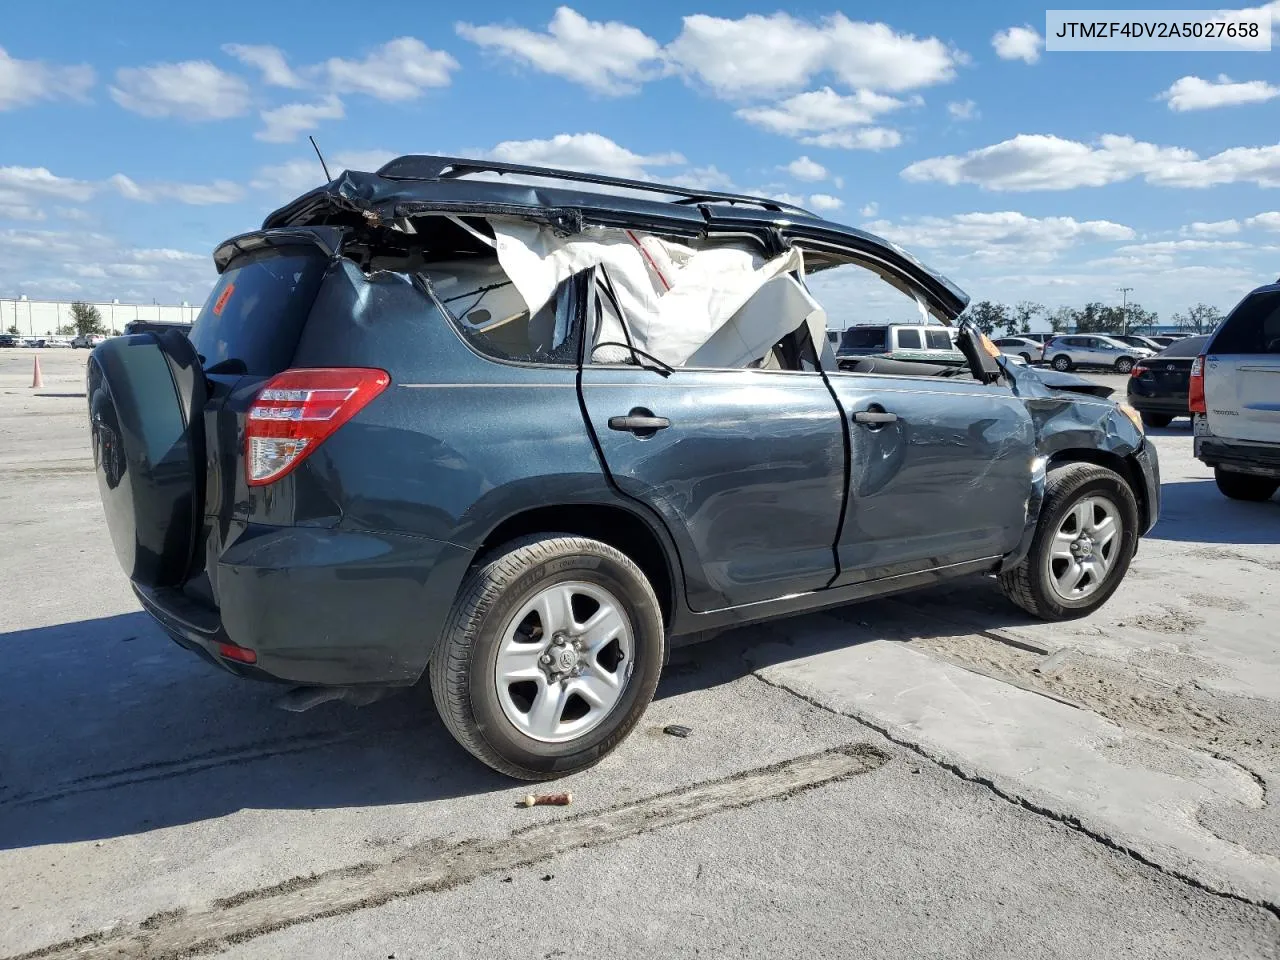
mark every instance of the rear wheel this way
{"type": "Point", "coordinates": [1062, 363]}
{"type": "Point", "coordinates": [1086, 536]}
{"type": "Point", "coordinates": [1245, 486]}
{"type": "Point", "coordinates": [1157, 419]}
{"type": "Point", "coordinates": [1124, 365]}
{"type": "Point", "coordinates": [1026, 357]}
{"type": "Point", "coordinates": [550, 656]}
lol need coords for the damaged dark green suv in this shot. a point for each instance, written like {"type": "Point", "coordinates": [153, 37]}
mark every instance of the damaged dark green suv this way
{"type": "Point", "coordinates": [523, 430]}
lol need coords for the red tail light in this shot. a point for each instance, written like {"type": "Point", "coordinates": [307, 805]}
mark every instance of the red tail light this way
{"type": "Point", "coordinates": [296, 410]}
{"type": "Point", "coordinates": [1138, 370]}
{"type": "Point", "coordinates": [1195, 394]}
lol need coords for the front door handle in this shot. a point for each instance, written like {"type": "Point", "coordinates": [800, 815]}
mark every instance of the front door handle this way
{"type": "Point", "coordinates": [642, 425]}
{"type": "Point", "coordinates": [875, 417]}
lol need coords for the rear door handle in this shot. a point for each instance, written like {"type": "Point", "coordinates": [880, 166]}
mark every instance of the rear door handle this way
{"type": "Point", "coordinates": [876, 417]}
{"type": "Point", "coordinates": [636, 423]}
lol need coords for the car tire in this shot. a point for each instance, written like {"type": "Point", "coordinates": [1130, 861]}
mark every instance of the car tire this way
{"type": "Point", "coordinates": [1035, 584]}
{"type": "Point", "coordinates": [1062, 363]}
{"type": "Point", "coordinates": [1157, 419]}
{"type": "Point", "coordinates": [1026, 358]}
{"type": "Point", "coordinates": [1245, 486]}
{"type": "Point", "coordinates": [530, 579]}
{"type": "Point", "coordinates": [1124, 365]}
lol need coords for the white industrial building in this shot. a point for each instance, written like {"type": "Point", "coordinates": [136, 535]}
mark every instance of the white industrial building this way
{"type": "Point", "coordinates": [44, 317]}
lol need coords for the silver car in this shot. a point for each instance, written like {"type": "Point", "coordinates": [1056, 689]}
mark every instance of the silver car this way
{"type": "Point", "coordinates": [1093, 350]}
{"type": "Point", "coordinates": [1024, 347]}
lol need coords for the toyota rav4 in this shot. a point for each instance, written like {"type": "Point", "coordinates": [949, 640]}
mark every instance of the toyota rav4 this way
{"type": "Point", "coordinates": [522, 430]}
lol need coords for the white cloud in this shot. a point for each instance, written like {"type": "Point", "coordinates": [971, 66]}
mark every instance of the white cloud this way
{"type": "Point", "coordinates": [26, 81]}
{"type": "Point", "coordinates": [28, 180]}
{"type": "Point", "coordinates": [1192, 93]}
{"type": "Point", "coordinates": [284, 124]}
{"type": "Point", "coordinates": [963, 110]}
{"type": "Point", "coordinates": [825, 201]}
{"type": "Point", "coordinates": [1002, 234]}
{"type": "Point", "coordinates": [869, 210]}
{"type": "Point", "coordinates": [1226, 228]}
{"type": "Point", "coordinates": [99, 267]}
{"type": "Point", "coordinates": [15, 206]}
{"type": "Point", "coordinates": [701, 178]}
{"type": "Point", "coordinates": [1216, 228]}
{"type": "Point", "coordinates": [769, 55]}
{"type": "Point", "coordinates": [191, 90]}
{"type": "Point", "coordinates": [583, 151]}
{"type": "Point", "coordinates": [861, 138]}
{"type": "Point", "coordinates": [195, 194]}
{"type": "Point", "coordinates": [1018, 43]}
{"type": "Point", "coordinates": [819, 111]}
{"type": "Point", "coordinates": [1044, 162]}
{"type": "Point", "coordinates": [1182, 246]}
{"type": "Point", "coordinates": [608, 57]}
{"type": "Point", "coordinates": [802, 168]}
{"type": "Point", "coordinates": [400, 69]}
{"type": "Point", "coordinates": [270, 60]}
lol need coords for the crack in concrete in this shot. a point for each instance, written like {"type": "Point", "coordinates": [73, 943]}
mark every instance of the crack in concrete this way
{"type": "Point", "coordinates": [1066, 819]}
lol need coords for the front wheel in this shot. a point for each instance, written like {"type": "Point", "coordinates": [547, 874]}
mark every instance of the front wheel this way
{"type": "Point", "coordinates": [1124, 365]}
{"type": "Point", "coordinates": [1086, 536]}
{"type": "Point", "coordinates": [1062, 363]}
{"type": "Point", "coordinates": [550, 656]}
{"type": "Point", "coordinates": [1245, 486]}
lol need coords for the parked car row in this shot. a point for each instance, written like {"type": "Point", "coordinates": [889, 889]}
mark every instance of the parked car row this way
{"type": "Point", "coordinates": [87, 340]}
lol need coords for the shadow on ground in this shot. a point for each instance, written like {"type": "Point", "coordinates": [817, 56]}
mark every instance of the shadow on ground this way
{"type": "Point", "coordinates": [1195, 511]}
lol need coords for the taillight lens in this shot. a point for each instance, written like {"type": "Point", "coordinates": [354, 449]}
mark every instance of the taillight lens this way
{"type": "Point", "coordinates": [296, 410]}
{"type": "Point", "coordinates": [1195, 394]}
{"type": "Point", "coordinates": [1138, 370]}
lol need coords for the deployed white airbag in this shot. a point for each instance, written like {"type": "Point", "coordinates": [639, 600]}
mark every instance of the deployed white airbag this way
{"type": "Point", "coordinates": [721, 306]}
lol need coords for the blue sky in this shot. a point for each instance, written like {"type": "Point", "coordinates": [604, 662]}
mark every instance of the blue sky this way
{"type": "Point", "coordinates": [133, 138]}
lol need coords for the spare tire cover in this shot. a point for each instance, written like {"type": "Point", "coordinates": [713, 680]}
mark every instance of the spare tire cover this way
{"type": "Point", "coordinates": [146, 405]}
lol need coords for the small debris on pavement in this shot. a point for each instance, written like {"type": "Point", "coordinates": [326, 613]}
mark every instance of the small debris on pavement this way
{"type": "Point", "coordinates": [549, 876]}
{"type": "Point", "coordinates": [547, 800]}
{"type": "Point", "coordinates": [677, 730]}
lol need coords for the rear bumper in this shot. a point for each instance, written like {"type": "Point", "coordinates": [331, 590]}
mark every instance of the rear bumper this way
{"type": "Point", "coordinates": [1241, 456]}
{"type": "Point", "coordinates": [1170, 404]}
{"type": "Point", "coordinates": [320, 606]}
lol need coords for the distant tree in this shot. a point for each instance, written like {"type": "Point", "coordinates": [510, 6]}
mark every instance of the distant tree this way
{"type": "Point", "coordinates": [67, 329]}
{"type": "Point", "coordinates": [1201, 318]}
{"type": "Point", "coordinates": [86, 318]}
{"type": "Point", "coordinates": [1019, 320]}
{"type": "Point", "coordinates": [986, 315]}
{"type": "Point", "coordinates": [1141, 318]}
{"type": "Point", "coordinates": [13, 328]}
{"type": "Point", "coordinates": [1062, 319]}
{"type": "Point", "coordinates": [1095, 317]}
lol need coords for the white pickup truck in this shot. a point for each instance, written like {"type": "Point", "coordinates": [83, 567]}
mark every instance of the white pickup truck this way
{"type": "Point", "coordinates": [1235, 398]}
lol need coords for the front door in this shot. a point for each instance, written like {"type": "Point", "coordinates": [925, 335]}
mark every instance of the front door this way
{"type": "Point", "coordinates": [940, 473]}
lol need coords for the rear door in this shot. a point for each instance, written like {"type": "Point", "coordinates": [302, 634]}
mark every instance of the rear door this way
{"type": "Point", "coordinates": [745, 466]}
{"type": "Point", "coordinates": [1242, 371]}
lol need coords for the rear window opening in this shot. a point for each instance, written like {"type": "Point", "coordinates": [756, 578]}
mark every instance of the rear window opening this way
{"type": "Point", "coordinates": [1253, 326]}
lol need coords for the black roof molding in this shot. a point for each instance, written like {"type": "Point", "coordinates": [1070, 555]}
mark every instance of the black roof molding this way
{"type": "Point", "coordinates": [416, 167]}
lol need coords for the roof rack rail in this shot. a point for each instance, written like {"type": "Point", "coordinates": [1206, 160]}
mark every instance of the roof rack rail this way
{"type": "Point", "coordinates": [419, 167]}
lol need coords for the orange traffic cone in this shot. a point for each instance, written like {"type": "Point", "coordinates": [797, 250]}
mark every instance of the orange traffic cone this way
{"type": "Point", "coordinates": [37, 381]}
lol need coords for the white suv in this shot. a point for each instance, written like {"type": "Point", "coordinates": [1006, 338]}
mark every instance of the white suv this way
{"type": "Point", "coordinates": [1235, 398]}
{"type": "Point", "coordinates": [1093, 350]}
